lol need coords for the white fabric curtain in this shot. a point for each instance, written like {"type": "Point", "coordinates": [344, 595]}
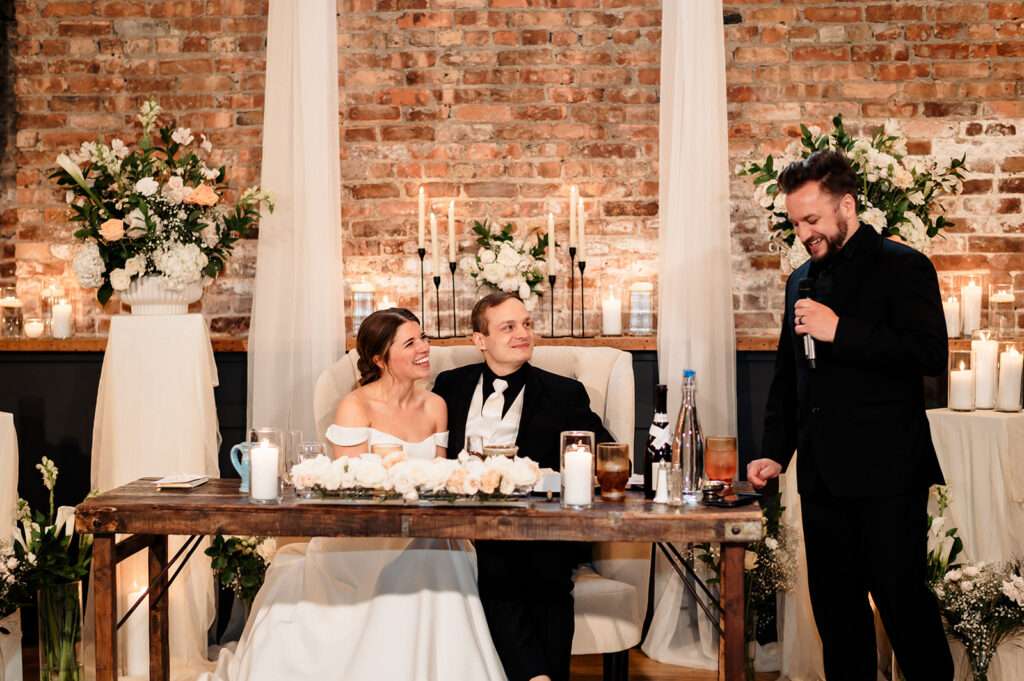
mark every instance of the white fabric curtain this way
{"type": "Point", "coordinates": [695, 322]}
{"type": "Point", "coordinates": [298, 325]}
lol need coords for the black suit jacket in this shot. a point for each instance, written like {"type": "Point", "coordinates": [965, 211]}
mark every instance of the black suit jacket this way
{"type": "Point", "coordinates": [552, 404]}
{"type": "Point", "coordinates": [858, 419]}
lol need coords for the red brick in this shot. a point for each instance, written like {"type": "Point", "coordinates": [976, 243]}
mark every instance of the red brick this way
{"type": "Point", "coordinates": [832, 14]}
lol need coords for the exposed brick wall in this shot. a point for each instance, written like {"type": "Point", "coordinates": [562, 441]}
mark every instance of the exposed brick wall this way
{"type": "Point", "coordinates": [951, 71]}
{"type": "Point", "coordinates": [505, 103]}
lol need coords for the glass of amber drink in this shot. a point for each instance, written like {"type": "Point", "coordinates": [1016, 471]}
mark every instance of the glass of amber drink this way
{"type": "Point", "coordinates": [720, 459]}
{"type": "Point", "coordinates": [613, 469]}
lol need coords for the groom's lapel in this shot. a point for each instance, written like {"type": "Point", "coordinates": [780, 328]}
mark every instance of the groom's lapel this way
{"type": "Point", "coordinates": [464, 398]}
{"type": "Point", "coordinates": [533, 403]}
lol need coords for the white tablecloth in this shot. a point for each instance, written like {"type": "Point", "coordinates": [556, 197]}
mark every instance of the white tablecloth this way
{"type": "Point", "coordinates": [982, 459]}
{"type": "Point", "coordinates": [155, 415]}
{"type": "Point", "coordinates": [8, 472]}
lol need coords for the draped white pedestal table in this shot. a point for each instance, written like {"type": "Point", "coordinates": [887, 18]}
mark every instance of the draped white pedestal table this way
{"type": "Point", "coordinates": [10, 645]}
{"type": "Point", "coordinates": [155, 415]}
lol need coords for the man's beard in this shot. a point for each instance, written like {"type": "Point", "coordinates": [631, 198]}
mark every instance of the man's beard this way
{"type": "Point", "coordinates": [835, 242]}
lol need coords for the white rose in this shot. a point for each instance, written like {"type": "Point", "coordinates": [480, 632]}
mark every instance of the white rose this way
{"type": "Point", "coordinates": [971, 571]}
{"type": "Point", "coordinates": [902, 177]}
{"type": "Point", "coordinates": [486, 256]}
{"type": "Point", "coordinates": [507, 256]}
{"type": "Point", "coordinates": [874, 217]}
{"type": "Point", "coordinates": [779, 203]}
{"type": "Point", "coordinates": [493, 272]}
{"type": "Point", "coordinates": [369, 471]}
{"type": "Point", "coordinates": [507, 486]}
{"type": "Point", "coordinates": [402, 477]}
{"type": "Point", "coordinates": [120, 279]}
{"type": "Point", "coordinates": [183, 136]}
{"type": "Point", "coordinates": [524, 290]}
{"type": "Point", "coordinates": [510, 284]}
{"type": "Point", "coordinates": [147, 186]}
{"type": "Point", "coordinates": [524, 472]}
{"type": "Point", "coordinates": [136, 223]}
{"type": "Point", "coordinates": [135, 265]}
{"type": "Point", "coordinates": [175, 190]}
{"type": "Point", "coordinates": [916, 198]}
{"type": "Point", "coordinates": [953, 576]}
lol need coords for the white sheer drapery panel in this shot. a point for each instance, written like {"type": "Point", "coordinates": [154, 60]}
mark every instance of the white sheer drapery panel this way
{"type": "Point", "coordinates": [695, 322]}
{"type": "Point", "coordinates": [298, 323]}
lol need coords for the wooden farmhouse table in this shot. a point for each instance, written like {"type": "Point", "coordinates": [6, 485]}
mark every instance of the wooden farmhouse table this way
{"type": "Point", "coordinates": [149, 516]}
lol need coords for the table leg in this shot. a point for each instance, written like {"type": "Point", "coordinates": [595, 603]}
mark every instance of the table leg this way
{"type": "Point", "coordinates": [159, 622]}
{"type": "Point", "coordinates": [731, 643]}
{"type": "Point", "coordinates": [104, 584]}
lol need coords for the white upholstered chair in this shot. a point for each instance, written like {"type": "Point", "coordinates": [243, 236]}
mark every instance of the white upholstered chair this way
{"type": "Point", "coordinates": [611, 594]}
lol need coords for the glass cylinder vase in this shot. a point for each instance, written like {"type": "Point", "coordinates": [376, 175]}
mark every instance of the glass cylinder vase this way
{"type": "Point", "coordinates": [971, 287]}
{"type": "Point", "coordinates": [577, 468]}
{"type": "Point", "coordinates": [60, 632]}
{"type": "Point", "coordinates": [985, 361]}
{"type": "Point", "coordinates": [11, 306]}
{"type": "Point", "coordinates": [961, 381]}
{"type": "Point", "coordinates": [1002, 314]}
{"type": "Point", "coordinates": [1011, 368]}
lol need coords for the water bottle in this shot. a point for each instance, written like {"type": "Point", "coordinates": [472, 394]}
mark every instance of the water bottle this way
{"type": "Point", "coordinates": [688, 440]}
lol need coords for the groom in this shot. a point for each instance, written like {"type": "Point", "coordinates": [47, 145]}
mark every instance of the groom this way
{"type": "Point", "coordinates": [525, 587]}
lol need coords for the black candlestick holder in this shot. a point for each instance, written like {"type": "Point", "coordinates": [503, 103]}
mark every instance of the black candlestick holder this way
{"type": "Point", "coordinates": [551, 292]}
{"type": "Point", "coordinates": [455, 324]}
{"type": "Point", "coordinates": [437, 301]}
{"type": "Point", "coordinates": [583, 300]}
{"type": "Point", "coordinates": [422, 252]}
{"type": "Point", "coordinates": [572, 291]}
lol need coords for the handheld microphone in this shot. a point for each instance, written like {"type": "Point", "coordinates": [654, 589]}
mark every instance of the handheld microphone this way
{"type": "Point", "coordinates": [806, 290]}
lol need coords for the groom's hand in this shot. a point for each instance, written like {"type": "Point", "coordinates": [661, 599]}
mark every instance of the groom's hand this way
{"type": "Point", "coordinates": [760, 471]}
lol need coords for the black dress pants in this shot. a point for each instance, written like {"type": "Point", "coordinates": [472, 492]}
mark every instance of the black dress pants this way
{"type": "Point", "coordinates": [526, 593]}
{"type": "Point", "coordinates": [877, 546]}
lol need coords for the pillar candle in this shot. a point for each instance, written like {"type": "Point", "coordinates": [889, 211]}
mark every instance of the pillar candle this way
{"type": "Point", "coordinates": [135, 636]}
{"type": "Point", "coordinates": [961, 389]}
{"type": "Point", "coordinates": [573, 198]}
{"type": "Point", "coordinates": [263, 460]}
{"type": "Point", "coordinates": [611, 316]}
{"type": "Point", "coordinates": [951, 308]}
{"type": "Point", "coordinates": [1011, 367]}
{"type": "Point", "coordinates": [435, 254]}
{"type": "Point", "coordinates": [986, 353]}
{"type": "Point", "coordinates": [61, 324]}
{"type": "Point", "coordinates": [422, 224]}
{"type": "Point", "coordinates": [552, 254]}
{"type": "Point", "coordinates": [451, 231]}
{"type": "Point", "coordinates": [582, 235]}
{"type": "Point", "coordinates": [578, 476]}
{"type": "Point", "coordinates": [970, 301]}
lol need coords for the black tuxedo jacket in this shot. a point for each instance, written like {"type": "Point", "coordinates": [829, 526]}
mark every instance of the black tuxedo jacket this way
{"type": "Point", "coordinates": [552, 404]}
{"type": "Point", "coordinates": [858, 419]}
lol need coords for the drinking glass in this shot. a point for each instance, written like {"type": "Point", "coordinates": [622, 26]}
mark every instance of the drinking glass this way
{"type": "Point", "coordinates": [675, 484]}
{"type": "Point", "coordinates": [475, 445]}
{"type": "Point", "coordinates": [509, 451]}
{"type": "Point", "coordinates": [577, 459]}
{"type": "Point", "coordinates": [613, 469]}
{"type": "Point", "coordinates": [305, 452]}
{"type": "Point", "coordinates": [382, 449]}
{"type": "Point", "coordinates": [720, 458]}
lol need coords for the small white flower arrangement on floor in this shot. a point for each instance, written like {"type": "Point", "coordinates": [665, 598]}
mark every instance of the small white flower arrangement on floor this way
{"type": "Point", "coordinates": [152, 210]}
{"type": "Point", "coordinates": [396, 476]}
{"type": "Point", "coordinates": [897, 197]}
{"type": "Point", "coordinates": [505, 263]}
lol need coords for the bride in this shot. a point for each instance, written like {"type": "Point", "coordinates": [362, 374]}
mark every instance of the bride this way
{"type": "Point", "coordinates": [357, 609]}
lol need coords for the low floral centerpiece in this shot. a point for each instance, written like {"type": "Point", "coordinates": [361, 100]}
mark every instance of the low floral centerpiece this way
{"type": "Point", "coordinates": [395, 476]}
{"type": "Point", "coordinates": [152, 215]}
{"type": "Point", "coordinates": [898, 194]}
{"type": "Point", "coordinates": [505, 263]}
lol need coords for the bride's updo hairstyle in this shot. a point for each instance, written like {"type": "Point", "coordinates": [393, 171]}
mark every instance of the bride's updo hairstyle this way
{"type": "Point", "coordinates": [376, 334]}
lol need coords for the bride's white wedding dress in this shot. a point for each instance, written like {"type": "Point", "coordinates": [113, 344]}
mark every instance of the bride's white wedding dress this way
{"type": "Point", "coordinates": [367, 609]}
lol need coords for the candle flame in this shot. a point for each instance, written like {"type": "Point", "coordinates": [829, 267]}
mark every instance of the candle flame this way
{"type": "Point", "coordinates": [961, 365]}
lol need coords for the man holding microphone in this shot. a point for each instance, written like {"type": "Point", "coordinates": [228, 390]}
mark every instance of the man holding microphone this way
{"type": "Point", "coordinates": [863, 325]}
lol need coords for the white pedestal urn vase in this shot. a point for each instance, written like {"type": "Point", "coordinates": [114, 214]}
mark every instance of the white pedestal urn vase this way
{"type": "Point", "coordinates": [151, 296]}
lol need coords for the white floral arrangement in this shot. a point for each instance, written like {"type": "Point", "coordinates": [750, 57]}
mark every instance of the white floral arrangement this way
{"type": "Point", "coordinates": [394, 475]}
{"type": "Point", "coordinates": [897, 196]}
{"type": "Point", "coordinates": [152, 210]}
{"type": "Point", "coordinates": [505, 263]}
{"type": "Point", "coordinates": [983, 605]}
{"type": "Point", "coordinates": [13, 579]}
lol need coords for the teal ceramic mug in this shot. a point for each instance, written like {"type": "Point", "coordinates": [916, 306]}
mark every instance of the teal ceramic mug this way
{"type": "Point", "coordinates": [240, 460]}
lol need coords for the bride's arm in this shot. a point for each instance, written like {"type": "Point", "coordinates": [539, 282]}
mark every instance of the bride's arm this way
{"type": "Point", "coordinates": [351, 414]}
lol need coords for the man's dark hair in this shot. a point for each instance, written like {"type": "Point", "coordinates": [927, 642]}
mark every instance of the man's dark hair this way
{"type": "Point", "coordinates": [479, 316]}
{"type": "Point", "coordinates": [831, 168]}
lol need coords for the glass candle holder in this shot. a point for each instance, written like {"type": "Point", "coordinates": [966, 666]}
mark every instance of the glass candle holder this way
{"type": "Point", "coordinates": [34, 327]}
{"type": "Point", "coordinates": [961, 381]}
{"type": "Point", "coordinates": [1011, 368]}
{"type": "Point", "coordinates": [675, 484]}
{"type": "Point", "coordinates": [62, 322]}
{"type": "Point", "coordinates": [720, 459]}
{"type": "Point", "coordinates": [951, 310]}
{"type": "Point", "coordinates": [971, 286]}
{"type": "Point", "coordinates": [11, 305]}
{"type": "Point", "coordinates": [306, 452]}
{"type": "Point", "coordinates": [51, 291]}
{"type": "Point", "coordinates": [265, 455]}
{"type": "Point", "coordinates": [1002, 314]}
{"type": "Point", "coordinates": [362, 304]}
{"type": "Point", "coordinates": [611, 312]}
{"type": "Point", "coordinates": [577, 468]}
{"type": "Point", "coordinates": [985, 362]}
{"type": "Point", "coordinates": [613, 469]}
{"type": "Point", "coordinates": [641, 309]}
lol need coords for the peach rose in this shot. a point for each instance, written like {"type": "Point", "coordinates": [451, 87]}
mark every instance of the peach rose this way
{"type": "Point", "coordinates": [490, 480]}
{"type": "Point", "coordinates": [457, 481]}
{"type": "Point", "coordinates": [203, 195]}
{"type": "Point", "coordinates": [112, 230]}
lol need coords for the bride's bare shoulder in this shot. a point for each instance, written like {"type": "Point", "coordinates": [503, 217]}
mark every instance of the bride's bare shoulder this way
{"type": "Point", "coordinates": [353, 410]}
{"type": "Point", "coordinates": [435, 406]}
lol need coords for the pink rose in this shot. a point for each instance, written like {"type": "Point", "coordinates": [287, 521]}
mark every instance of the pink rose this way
{"type": "Point", "coordinates": [203, 195]}
{"type": "Point", "coordinates": [112, 230]}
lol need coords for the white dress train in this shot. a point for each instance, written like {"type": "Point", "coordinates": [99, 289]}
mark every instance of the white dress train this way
{"type": "Point", "coordinates": [367, 609]}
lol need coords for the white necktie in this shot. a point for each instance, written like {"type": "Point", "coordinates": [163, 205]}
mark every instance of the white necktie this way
{"type": "Point", "coordinates": [492, 408]}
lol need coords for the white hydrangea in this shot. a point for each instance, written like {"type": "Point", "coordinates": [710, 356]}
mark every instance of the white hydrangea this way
{"type": "Point", "coordinates": [88, 265]}
{"type": "Point", "coordinates": [181, 264]}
